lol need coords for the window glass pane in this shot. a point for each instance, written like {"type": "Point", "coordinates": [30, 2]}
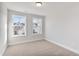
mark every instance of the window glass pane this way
{"type": "Point", "coordinates": [37, 25]}
{"type": "Point", "coordinates": [17, 18]}
{"type": "Point", "coordinates": [18, 25]}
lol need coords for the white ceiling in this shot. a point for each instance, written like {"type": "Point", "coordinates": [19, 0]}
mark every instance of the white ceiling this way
{"type": "Point", "coordinates": [46, 5]}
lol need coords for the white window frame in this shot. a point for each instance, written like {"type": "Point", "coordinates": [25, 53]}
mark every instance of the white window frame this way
{"type": "Point", "coordinates": [11, 12]}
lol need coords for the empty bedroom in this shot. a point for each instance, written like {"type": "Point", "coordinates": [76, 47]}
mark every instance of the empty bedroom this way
{"type": "Point", "coordinates": [39, 28]}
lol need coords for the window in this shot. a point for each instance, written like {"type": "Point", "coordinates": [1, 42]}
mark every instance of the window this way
{"type": "Point", "coordinates": [37, 25]}
{"type": "Point", "coordinates": [19, 25]}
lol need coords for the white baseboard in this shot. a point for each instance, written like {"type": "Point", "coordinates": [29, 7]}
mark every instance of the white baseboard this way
{"type": "Point", "coordinates": [19, 40]}
{"type": "Point", "coordinates": [66, 47]}
{"type": "Point", "coordinates": [23, 41]}
{"type": "Point", "coordinates": [3, 49]}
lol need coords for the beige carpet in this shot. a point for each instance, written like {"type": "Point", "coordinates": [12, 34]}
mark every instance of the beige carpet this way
{"type": "Point", "coordinates": [37, 48]}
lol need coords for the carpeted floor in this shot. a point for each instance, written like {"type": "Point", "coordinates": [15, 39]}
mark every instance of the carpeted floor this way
{"type": "Point", "coordinates": [37, 48]}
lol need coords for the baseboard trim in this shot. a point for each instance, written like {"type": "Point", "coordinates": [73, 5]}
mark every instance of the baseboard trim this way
{"type": "Point", "coordinates": [25, 41]}
{"type": "Point", "coordinates": [68, 48]}
{"type": "Point", "coordinates": [3, 49]}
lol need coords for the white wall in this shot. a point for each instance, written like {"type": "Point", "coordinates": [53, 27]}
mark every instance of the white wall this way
{"type": "Point", "coordinates": [3, 31]}
{"type": "Point", "coordinates": [0, 25]}
{"type": "Point", "coordinates": [0, 20]}
{"type": "Point", "coordinates": [63, 26]}
{"type": "Point", "coordinates": [71, 33]}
